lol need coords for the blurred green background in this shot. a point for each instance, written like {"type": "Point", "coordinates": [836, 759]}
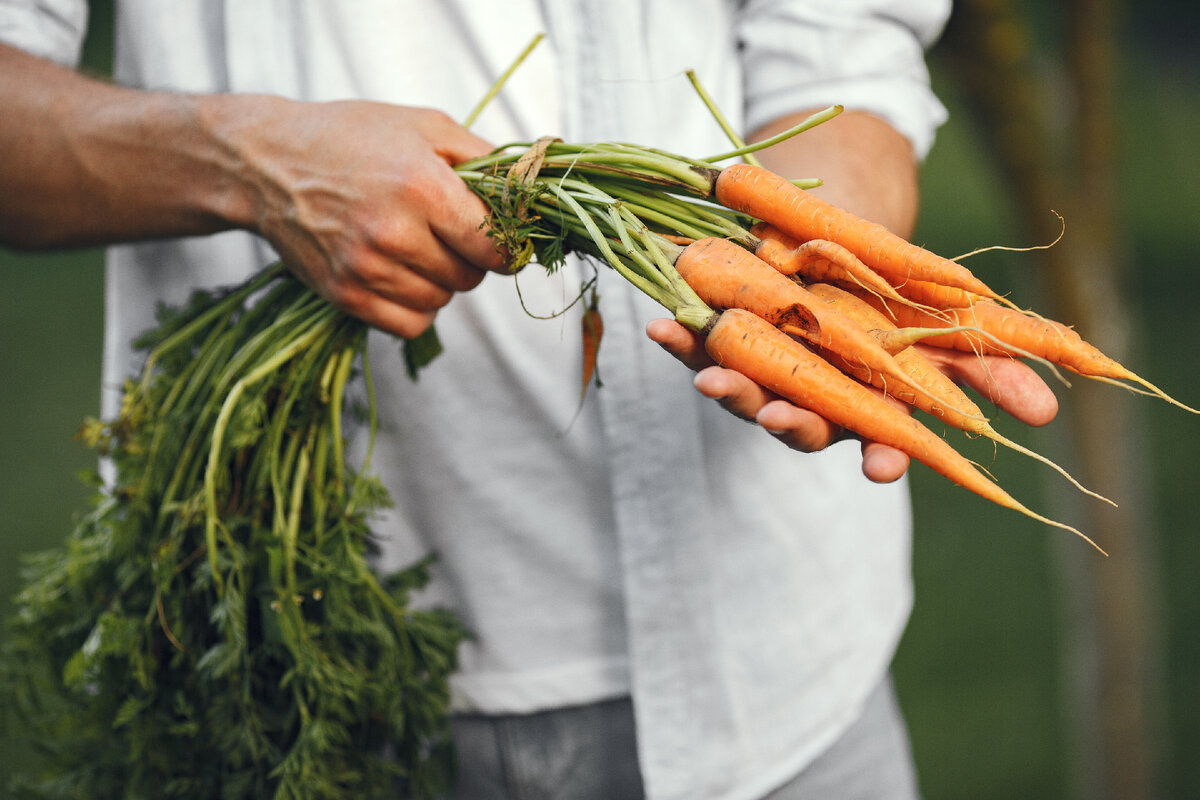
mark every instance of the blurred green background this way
{"type": "Point", "coordinates": [994, 672]}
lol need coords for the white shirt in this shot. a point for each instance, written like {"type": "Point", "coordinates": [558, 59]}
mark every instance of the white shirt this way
{"type": "Point", "coordinates": [746, 596]}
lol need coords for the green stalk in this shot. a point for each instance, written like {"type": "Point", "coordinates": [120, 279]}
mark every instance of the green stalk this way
{"type": "Point", "coordinates": [372, 429]}
{"type": "Point", "coordinates": [341, 378]}
{"type": "Point", "coordinates": [689, 228]}
{"type": "Point", "coordinates": [212, 517]}
{"type": "Point", "coordinates": [499, 84]}
{"type": "Point", "coordinates": [639, 164]}
{"type": "Point", "coordinates": [598, 239]}
{"type": "Point", "coordinates": [809, 123]}
{"type": "Point", "coordinates": [643, 164]}
{"type": "Point", "coordinates": [292, 530]}
{"type": "Point", "coordinates": [226, 305]}
{"type": "Point", "coordinates": [730, 133]}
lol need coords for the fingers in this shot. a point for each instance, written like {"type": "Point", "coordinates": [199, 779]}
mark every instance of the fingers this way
{"type": "Point", "coordinates": [452, 141]}
{"type": "Point", "coordinates": [361, 200]}
{"type": "Point", "coordinates": [1012, 385]}
{"type": "Point", "coordinates": [432, 223]}
{"type": "Point", "coordinates": [736, 393]}
{"type": "Point", "coordinates": [679, 342]}
{"type": "Point", "coordinates": [461, 220]}
{"type": "Point", "coordinates": [883, 464]}
{"type": "Point", "coordinates": [460, 223]}
{"type": "Point", "coordinates": [463, 228]}
{"type": "Point", "coordinates": [393, 318]}
{"type": "Point", "coordinates": [798, 428]}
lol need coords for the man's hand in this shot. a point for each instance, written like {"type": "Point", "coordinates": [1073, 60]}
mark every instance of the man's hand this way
{"type": "Point", "coordinates": [1011, 385]}
{"type": "Point", "coordinates": [360, 199]}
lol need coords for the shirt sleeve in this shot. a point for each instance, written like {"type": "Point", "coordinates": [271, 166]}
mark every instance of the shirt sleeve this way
{"type": "Point", "coordinates": [867, 55]}
{"type": "Point", "coordinates": [52, 29]}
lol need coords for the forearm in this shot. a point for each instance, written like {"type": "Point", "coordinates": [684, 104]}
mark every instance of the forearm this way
{"type": "Point", "coordinates": [866, 165]}
{"type": "Point", "coordinates": [87, 162]}
{"type": "Point", "coordinates": [359, 199]}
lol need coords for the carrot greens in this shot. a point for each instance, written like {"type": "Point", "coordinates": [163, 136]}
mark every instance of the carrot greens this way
{"type": "Point", "coordinates": [213, 627]}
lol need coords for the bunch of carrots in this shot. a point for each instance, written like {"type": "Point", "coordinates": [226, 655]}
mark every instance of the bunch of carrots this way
{"type": "Point", "coordinates": [808, 300]}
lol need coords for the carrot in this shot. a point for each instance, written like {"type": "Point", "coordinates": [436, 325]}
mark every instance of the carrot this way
{"type": "Point", "coordinates": [927, 295]}
{"type": "Point", "coordinates": [766, 196]}
{"type": "Point", "coordinates": [674, 238]}
{"type": "Point", "coordinates": [897, 340]}
{"type": "Point", "coordinates": [726, 275]}
{"type": "Point", "coordinates": [924, 372]}
{"type": "Point", "coordinates": [826, 262]}
{"type": "Point", "coordinates": [818, 260]}
{"type": "Point", "coordinates": [936, 295]}
{"type": "Point", "coordinates": [744, 342]}
{"type": "Point", "coordinates": [592, 328]}
{"type": "Point", "coordinates": [1007, 331]}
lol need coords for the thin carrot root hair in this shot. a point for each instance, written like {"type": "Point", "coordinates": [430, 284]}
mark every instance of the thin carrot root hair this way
{"type": "Point", "coordinates": [938, 299]}
{"type": "Point", "coordinates": [996, 436]}
{"type": "Point", "coordinates": [1012, 249]}
{"type": "Point", "coordinates": [1143, 387]}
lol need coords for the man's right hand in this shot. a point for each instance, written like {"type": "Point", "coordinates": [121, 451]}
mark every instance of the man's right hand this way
{"type": "Point", "coordinates": [361, 200]}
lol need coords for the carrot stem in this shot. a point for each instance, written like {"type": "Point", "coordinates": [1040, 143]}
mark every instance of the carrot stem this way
{"type": "Point", "coordinates": [503, 79]}
{"type": "Point", "coordinates": [734, 139]}
{"type": "Point", "coordinates": [809, 123]}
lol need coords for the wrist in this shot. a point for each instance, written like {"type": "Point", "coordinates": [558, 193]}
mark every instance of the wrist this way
{"type": "Point", "coordinates": [237, 194]}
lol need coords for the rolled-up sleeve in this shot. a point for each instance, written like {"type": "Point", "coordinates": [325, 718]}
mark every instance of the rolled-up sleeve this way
{"type": "Point", "coordinates": [52, 29]}
{"type": "Point", "coordinates": [866, 55]}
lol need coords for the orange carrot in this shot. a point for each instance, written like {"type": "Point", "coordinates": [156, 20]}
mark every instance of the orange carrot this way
{"type": "Point", "coordinates": [924, 372]}
{"type": "Point", "coordinates": [592, 326]}
{"type": "Point", "coordinates": [936, 295]}
{"type": "Point", "coordinates": [1021, 335]}
{"type": "Point", "coordinates": [818, 260]}
{"type": "Point", "coordinates": [746, 343]}
{"type": "Point", "coordinates": [726, 275]}
{"type": "Point", "coordinates": [766, 196]}
{"type": "Point", "coordinates": [674, 238]}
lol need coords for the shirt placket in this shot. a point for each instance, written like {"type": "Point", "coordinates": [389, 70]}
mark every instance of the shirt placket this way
{"type": "Point", "coordinates": [658, 497]}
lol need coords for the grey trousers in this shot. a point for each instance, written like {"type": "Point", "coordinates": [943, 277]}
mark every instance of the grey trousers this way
{"type": "Point", "coordinates": [590, 752]}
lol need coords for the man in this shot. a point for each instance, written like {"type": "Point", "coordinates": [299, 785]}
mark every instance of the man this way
{"type": "Point", "coordinates": [664, 600]}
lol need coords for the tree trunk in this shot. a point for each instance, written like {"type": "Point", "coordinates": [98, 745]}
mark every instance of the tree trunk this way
{"type": "Point", "coordinates": [1055, 141]}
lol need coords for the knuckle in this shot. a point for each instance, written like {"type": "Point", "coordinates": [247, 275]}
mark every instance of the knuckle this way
{"type": "Point", "coordinates": [391, 234]}
{"type": "Point", "coordinates": [412, 325]}
{"type": "Point", "coordinates": [437, 118]}
{"type": "Point", "coordinates": [373, 273]}
{"type": "Point", "coordinates": [467, 279]}
{"type": "Point", "coordinates": [348, 299]}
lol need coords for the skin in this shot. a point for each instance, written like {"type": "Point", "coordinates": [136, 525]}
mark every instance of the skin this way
{"type": "Point", "coordinates": [360, 199]}
{"type": "Point", "coordinates": [868, 168]}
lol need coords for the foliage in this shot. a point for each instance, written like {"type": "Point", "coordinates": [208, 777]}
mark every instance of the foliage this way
{"type": "Point", "coordinates": [212, 627]}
